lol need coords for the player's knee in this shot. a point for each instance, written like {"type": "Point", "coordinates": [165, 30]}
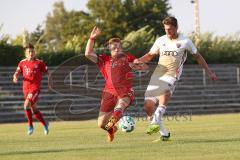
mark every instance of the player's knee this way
{"type": "Point", "coordinates": [168, 93]}
{"type": "Point", "coordinates": [27, 104]}
{"type": "Point", "coordinates": [26, 107]}
{"type": "Point", "coordinates": [123, 102]}
{"type": "Point", "coordinates": [149, 104]}
{"type": "Point", "coordinates": [35, 110]}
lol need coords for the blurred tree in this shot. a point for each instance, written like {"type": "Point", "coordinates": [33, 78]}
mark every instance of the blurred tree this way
{"type": "Point", "coordinates": [18, 41]}
{"type": "Point", "coordinates": [67, 30]}
{"type": "Point", "coordinates": [4, 38]}
{"type": "Point", "coordinates": [76, 30]}
{"type": "Point", "coordinates": [119, 17]}
{"type": "Point", "coordinates": [139, 42]}
{"type": "Point", "coordinates": [37, 38]}
{"type": "Point", "coordinates": [55, 27]}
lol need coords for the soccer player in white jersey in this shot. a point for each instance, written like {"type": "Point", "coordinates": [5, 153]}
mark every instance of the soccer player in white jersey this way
{"type": "Point", "coordinates": [172, 49]}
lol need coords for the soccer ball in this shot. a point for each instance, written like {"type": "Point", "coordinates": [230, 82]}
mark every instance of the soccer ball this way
{"type": "Point", "coordinates": [127, 124]}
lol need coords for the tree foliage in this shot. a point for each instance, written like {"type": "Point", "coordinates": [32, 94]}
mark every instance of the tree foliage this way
{"type": "Point", "coordinates": [119, 17]}
{"type": "Point", "coordinates": [4, 38]}
{"type": "Point", "coordinates": [218, 49]}
{"type": "Point", "coordinates": [55, 27]}
{"type": "Point", "coordinates": [140, 41]}
{"type": "Point", "coordinates": [69, 30]}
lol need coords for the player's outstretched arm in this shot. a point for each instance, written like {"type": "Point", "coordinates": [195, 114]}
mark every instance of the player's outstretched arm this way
{"type": "Point", "coordinates": [144, 59]}
{"type": "Point", "coordinates": [201, 61]}
{"type": "Point", "coordinates": [139, 66]}
{"type": "Point", "coordinates": [15, 76]}
{"type": "Point", "coordinates": [89, 48]}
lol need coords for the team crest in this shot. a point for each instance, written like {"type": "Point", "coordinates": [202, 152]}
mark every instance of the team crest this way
{"type": "Point", "coordinates": [35, 66]}
{"type": "Point", "coordinates": [178, 45]}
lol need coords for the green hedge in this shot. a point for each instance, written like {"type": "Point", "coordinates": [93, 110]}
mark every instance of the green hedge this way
{"type": "Point", "coordinates": [53, 59]}
{"type": "Point", "coordinates": [10, 55]}
{"type": "Point", "coordinates": [214, 50]}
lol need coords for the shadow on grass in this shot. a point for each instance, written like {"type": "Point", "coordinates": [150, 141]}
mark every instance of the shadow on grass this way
{"type": "Point", "coordinates": [185, 141]}
{"type": "Point", "coordinates": [52, 151]}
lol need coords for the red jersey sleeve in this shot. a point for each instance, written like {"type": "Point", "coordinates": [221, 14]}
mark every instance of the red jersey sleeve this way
{"type": "Point", "coordinates": [44, 68]}
{"type": "Point", "coordinates": [130, 57]}
{"type": "Point", "coordinates": [19, 68]}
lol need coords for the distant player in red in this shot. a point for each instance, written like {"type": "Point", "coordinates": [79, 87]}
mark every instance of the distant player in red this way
{"type": "Point", "coordinates": [116, 69]}
{"type": "Point", "coordinates": [31, 70]}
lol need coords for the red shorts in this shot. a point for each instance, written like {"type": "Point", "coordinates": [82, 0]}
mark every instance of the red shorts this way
{"type": "Point", "coordinates": [109, 100]}
{"type": "Point", "coordinates": [31, 93]}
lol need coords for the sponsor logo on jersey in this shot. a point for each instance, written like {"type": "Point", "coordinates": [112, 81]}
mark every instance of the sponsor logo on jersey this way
{"type": "Point", "coordinates": [169, 53]}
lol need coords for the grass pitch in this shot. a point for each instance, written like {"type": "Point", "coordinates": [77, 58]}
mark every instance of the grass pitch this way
{"type": "Point", "coordinates": [214, 137]}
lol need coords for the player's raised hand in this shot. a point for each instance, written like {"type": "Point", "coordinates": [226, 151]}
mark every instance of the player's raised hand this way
{"type": "Point", "coordinates": [95, 32]}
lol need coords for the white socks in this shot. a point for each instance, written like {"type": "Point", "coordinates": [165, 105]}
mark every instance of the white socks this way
{"type": "Point", "coordinates": [157, 119]}
{"type": "Point", "coordinates": [158, 114]}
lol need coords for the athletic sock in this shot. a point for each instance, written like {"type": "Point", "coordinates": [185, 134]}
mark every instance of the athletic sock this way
{"type": "Point", "coordinates": [158, 114]}
{"type": "Point", "coordinates": [157, 119]}
{"type": "Point", "coordinates": [163, 130]}
{"type": "Point", "coordinates": [28, 114]}
{"type": "Point", "coordinates": [110, 131]}
{"type": "Point", "coordinates": [39, 117]}
{"type": "Point", "coordinates": [118, 112]}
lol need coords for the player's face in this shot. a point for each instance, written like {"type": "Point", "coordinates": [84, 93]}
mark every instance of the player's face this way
{"type": "Point", "coordinates": [115, 48]}
{"type": "Point", "coordinates": [171, 31]}
{"type": "Point", "coordinates": [30, 53]}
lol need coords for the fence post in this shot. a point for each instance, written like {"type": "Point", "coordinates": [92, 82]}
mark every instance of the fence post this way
{"type": "Point", "coordinates": [70, 79]}
{"type": "Point", "coordinates": [204, 77]}
{"type": "Point", "coordinates": [140, 79]}
{"type": "Point", "coordinates": [86, 74]}
{"type": "Point", "coordinates": [238, 76]}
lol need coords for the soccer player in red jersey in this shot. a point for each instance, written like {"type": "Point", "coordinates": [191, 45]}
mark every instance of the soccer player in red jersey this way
{"type": "Point", "coordinates": [116, 69]}
{"type": "Point", "coordinates": [31, 70]}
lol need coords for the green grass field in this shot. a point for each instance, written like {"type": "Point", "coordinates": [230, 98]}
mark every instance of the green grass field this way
{"type": "Point", "coordinates": [213, 137]}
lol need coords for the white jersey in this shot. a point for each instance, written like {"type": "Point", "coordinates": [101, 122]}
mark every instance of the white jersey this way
{"type": "Point", "coordinates": [172, 55]}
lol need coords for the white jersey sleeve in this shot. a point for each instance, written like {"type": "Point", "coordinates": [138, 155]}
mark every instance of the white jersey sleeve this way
{"type": "Point", "coordinates": [191, 47]}
{"type": "Point", "coordinates": [156, 47]}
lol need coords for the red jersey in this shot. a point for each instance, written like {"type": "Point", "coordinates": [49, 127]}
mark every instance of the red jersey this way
{"type": "Point", "coordinates": [116, 71]}
{"type": "Point", "coordinates": [31, 71]}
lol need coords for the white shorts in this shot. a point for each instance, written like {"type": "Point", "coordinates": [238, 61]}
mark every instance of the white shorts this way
{"type": "Point", "coordinates": [158, 86]}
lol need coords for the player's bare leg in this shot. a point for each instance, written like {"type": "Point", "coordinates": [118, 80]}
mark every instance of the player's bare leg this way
{"type": "Point", "coordinates": [103, 118]}
{"type": "Point", "coordinates": [149, 107]}
{"type": "Point", "coordinates": [28, 113]}
{"type": "Point", "coordinates": [39, 117]}
{"type": "Point", "coordinates": [157, 123]}
{"type": "Point", "coordinates": [122, 104]}
{"type": "Point", "coordinates": [102, 121]}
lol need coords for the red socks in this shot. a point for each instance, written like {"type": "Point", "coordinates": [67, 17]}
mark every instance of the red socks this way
{"type": "Point", "coordinates": [39, 117]}
{"type": "Point", "coordinates": [28, 114]}
{"type": "Point", "coordinates": [110, 131]}
{"type": "Point", "coordinates": [118, 112]}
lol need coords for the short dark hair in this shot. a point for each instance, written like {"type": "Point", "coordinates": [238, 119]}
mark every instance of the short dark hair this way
{"type": "Point", "coordinates": [29, 45]}
{"type": "Point", "coordinates": [170, 21]}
